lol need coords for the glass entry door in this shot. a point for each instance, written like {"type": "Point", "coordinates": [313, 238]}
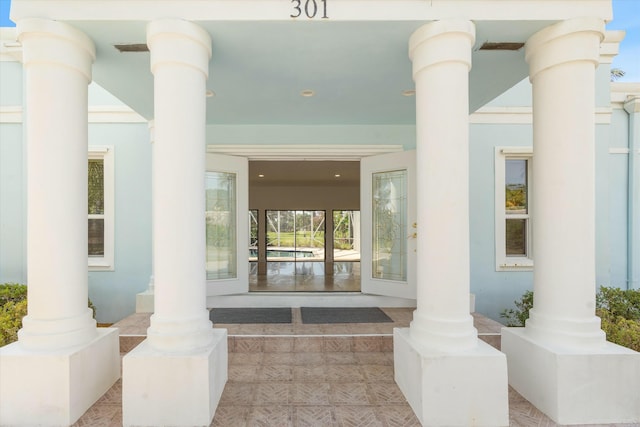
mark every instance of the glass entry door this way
{"type": "Point", "coordinates": [226, 218]}
{"type": "Point", "coordinates": [388, 215]}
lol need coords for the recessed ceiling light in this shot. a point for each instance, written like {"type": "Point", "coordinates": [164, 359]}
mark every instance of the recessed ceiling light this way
{"type": "Point", "coordinates": [307, 93]}
{"type": "Point", "coordinates": [408, 92]}
{"type": "Point", "coordinates": [210, 93]}
{"type": "Point", "coordinates": [337, 175]}
{"type": "Point", "coordinates": [261, 175]}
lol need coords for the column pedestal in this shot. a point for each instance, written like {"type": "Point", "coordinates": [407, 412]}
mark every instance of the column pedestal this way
{"type": "Point", "coordinates": [560, 361]}
{"type": "Point", "coordinates": [573, 385]}
{"type": "Point", "coordinates": [55, 388]}
{"type": "Point", "coordinates": [177, 390]}
{"type": "Point", "coordinates": [447, 375]}
{"type": "Point", "coordinates": [462, 388]}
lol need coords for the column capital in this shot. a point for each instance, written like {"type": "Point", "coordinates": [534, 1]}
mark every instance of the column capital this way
{"type": "Point", "coordinates": [573, 40]}
{"type": "Point", "coordinates": [441, 41]}
{"type": "Point", "coordinates": [179, 42]}
{"type": "Point", "coordinates": [632, 104]}
{"type": "Point", "coordinates": [52, 42]}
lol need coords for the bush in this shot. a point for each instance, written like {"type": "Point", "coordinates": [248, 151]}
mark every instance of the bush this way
{"type": "Point", "coordinates": [13, 307]}
{"type": "Point", "coordinates": [517, 316]}
{"type": "Point", "coordinates": [618, 309]}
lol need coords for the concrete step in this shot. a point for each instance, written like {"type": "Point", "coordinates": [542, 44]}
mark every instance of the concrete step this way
{"type": "Point", "coordinates": [305, 343]}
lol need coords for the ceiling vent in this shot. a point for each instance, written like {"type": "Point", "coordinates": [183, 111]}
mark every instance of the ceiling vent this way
{"type": "Point", "coordinates": [134, 47]}
{"type": "Point", "coordinates": [501, 46]}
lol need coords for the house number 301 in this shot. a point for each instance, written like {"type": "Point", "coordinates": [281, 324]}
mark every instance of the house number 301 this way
{"type": "Point", "coordinates": [310, 8]}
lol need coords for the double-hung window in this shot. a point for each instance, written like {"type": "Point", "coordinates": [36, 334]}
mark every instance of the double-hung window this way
{"type": "Point", "coordinates": [513, 166]}
{"type": "Point", "coordinates": [100, 208]}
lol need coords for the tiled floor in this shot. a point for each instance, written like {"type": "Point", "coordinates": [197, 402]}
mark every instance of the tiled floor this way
{"type": "Point", "coordinates": [309, 375]}
{"type": "Point", "coordinates": [301, 276]}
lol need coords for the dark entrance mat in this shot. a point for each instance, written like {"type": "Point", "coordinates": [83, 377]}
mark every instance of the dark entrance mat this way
{"type": "Point", "coordinates": [251, 315]}
{"type": "Point", "coordinates": [314, 315]}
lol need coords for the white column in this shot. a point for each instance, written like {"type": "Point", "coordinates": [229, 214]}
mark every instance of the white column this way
{"type": "Point", "coordinates": [57, 68]}
{"type": "Point", "coordinates": [562, 61]}
{"type": "Point", "coordinates": [441, 55]}
{"type": "Point", "coordinates": [448, 376]}
{"type": "Point", "coordinates": [183, 360]}
{"type": "Point", "coordinates": [61, 363]}
{"type": "Point", "coordinates": [560, 361]}
{"type": "Point", "coordinates": [180, 53]}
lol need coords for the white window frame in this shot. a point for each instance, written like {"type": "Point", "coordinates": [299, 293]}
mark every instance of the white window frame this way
{"type": "Point", "coordinates": [504, 262]}
{"type": "Point", "coordinates": [107, 155]}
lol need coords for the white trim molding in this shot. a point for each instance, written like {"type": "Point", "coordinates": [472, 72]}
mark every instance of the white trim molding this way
{"type": "Point", "coordinates": [522, 115]}
{"type": "Point", "coordinates": [97, 114]}
{"type": "Point", "coordinates": [303, 152]}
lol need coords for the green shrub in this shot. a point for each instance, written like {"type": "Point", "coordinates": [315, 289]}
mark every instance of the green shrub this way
{"type": "Point", "coordinates": [13, 307]}
{"type": "Point", "coordinates": [517, 316]}
{"type": "Point", "coordinates": [12, 292]}
{"type": "Point", "coordinates": [11, 315]}
{"type": "Point", "coordinates": [618, 309]}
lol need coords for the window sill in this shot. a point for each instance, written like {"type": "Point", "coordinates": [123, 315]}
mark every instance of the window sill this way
{"type": "Point", "coordinates": [523, 265]}
{"type": "Point", "coordinates": [97, 266]}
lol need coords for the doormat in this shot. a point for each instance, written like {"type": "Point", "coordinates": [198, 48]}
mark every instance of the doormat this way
{"type": "Point", "coordinates": [250, 315]}
{"type": "Point", "coordinates": [315, 315]}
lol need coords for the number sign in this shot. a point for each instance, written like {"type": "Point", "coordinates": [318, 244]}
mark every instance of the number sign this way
{"type": "Point", "coordinates": [309, 8]}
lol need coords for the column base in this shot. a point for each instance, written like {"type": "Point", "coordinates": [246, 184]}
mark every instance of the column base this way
{"type": "Point", "coordinates": [144, 302]}
{"type": "Point", "coordinates": [54, 388]}
{"type": "Point", "coordinates": [574, 385]}
{"type": "Point", "coordinates": [163, 388]}
{"type": "Point", "coordinates": [453, 389]}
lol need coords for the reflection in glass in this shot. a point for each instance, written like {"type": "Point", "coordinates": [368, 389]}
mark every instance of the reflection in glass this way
{"type": "Point", "coordinates": [220, 188]}
{"type": "Point", "coordinates": [516, 237]}
{"type": "Point", "coordinates": [96, 237]}
{"type": "Point", "coordinates": [516, 186]}
{"type": "Point", "coordinates": [253, 235]}
{"type": "Point", "coordinates": [389, 255]}
{"type": "Point", "coordinates": [346, 235]}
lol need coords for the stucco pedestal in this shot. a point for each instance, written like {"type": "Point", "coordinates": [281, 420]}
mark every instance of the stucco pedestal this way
{"type": "Point", "coordinates": [54, 388]}
{"type": "Point", "coordinates": [452, 389]}
{"type": "Point", "coordinates": [144, 302]}
{"type": "Point", "coordinates": [575, 385]}
{"type": "Point", "coordinates": [177, 389]}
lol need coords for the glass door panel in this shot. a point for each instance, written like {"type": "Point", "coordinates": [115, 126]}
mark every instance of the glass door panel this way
{"type": "Point", "coordinates": [346, 235]}
{"type": "Point", "coordinates": [389, 227]}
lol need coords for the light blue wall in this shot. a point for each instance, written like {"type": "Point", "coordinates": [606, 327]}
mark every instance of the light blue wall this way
{"type": "Point", "coordinates": [114, 292]}
{"type": "Point", "coordinates": [12, 185]}
{"type": "Point", "coordinates": [494, 290]}
{"type": "Point", "coordinates": [618, 208]}
{"type": "Point", "coordinates": [404, 135]}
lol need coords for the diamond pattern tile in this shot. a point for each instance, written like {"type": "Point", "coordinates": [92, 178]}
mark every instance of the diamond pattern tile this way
{"type": "Point", "coordinates": [342, 377]}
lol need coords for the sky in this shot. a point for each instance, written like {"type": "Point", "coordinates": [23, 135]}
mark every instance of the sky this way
{"type": "Point", "coordinates": [626, 16]}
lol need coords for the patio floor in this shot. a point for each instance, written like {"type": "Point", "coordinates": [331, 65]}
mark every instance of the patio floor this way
{"type": "Point", "coordinates": [309, 375]}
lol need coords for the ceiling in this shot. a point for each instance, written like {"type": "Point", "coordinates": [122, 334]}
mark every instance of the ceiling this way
{"type": "Point", "coordinates": [304, 174]}
{"type": "Point", "coordinates": [357, 70]}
